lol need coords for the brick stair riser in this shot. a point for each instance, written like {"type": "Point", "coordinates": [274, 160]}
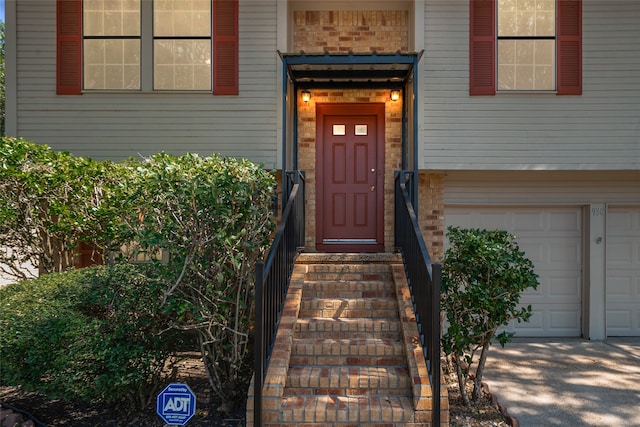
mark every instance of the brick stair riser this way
{"type": "Point", "coordinates": [348, 347]}
{"type": "Point", "coordinates": [354, 409]}
{"type": "Point", "coordinates": [304, 360]}
{"type": "Point", "coordinates": [346, 333]}
{"type": "Point", "coordinates": [348, 381]}
{"type": "Point", "coordinates": [343, 303]}
{"type": "Point", "coordinates": [349, 289]}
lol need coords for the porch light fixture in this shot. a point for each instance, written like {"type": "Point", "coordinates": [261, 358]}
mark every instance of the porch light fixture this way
{"type": "Point", "coordinates": [306, 95]}
{"type": "Point", "coordinates": [395, 94]}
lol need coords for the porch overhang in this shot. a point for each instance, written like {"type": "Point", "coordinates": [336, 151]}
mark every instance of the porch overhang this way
{"type": "Point", "coordinates": [326, 70]}
{"type": "Point", "coordinates": [350, 69]}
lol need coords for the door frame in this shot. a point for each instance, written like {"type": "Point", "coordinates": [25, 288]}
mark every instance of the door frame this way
{"type": "Point", "coordinates": [347, 109]}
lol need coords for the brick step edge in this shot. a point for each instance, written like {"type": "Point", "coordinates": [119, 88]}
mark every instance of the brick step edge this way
{"type": "Point", "coordinates": [350, 380]}
{"type": "Point", "coordinates": [355, 409]}
{"type": "Point", "coordinates": [348, 346]}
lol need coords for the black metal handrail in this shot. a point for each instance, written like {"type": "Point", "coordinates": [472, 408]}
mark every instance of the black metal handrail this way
{"type": "Point", "coordinates": [424, 282]}
{"type": "Point", "coordinates": [272, 281]}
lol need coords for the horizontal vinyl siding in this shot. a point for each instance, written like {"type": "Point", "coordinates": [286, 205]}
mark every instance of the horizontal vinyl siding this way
{"type": "Point", "coordinates": [597, 130]}
{"type": "Point", "coordinates": [541, 187]}
{"type": "Point", "coordinates": [119, 125]}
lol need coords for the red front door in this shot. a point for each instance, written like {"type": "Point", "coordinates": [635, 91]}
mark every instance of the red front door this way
{"type": "Point", "coordinates": [350, 172]}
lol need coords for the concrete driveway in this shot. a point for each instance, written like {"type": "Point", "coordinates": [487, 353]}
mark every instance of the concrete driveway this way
{"type": "Point", "coordinates": [554, 382]}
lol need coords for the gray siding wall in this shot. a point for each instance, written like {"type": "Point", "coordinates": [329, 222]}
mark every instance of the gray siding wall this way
{"type": "Point", "coordinates": [119, 125]}
{"type": "Point", "coordinates": [599, 130]}
{"type": "Point", "coordinates": [541, 187]}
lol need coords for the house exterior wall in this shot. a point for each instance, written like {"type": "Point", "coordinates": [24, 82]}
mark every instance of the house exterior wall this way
{"type": "Point", "coordinates": [599, 130]}
{"type": "Point", "coordinates": [117, 125]}
{"type": "Point", "coordinates": [508, 150]}
{"type": "Point", "coordinates": [340, 30]}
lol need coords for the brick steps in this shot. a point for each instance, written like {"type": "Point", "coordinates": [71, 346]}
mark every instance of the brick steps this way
{"type": "Point", "coordinates": [346, 351]}
{"type": "Point", "coordinates": [348, 362]}
{"type": "Point", "coordinates": [336, 410]}
{"type": "Point", "coordinates": [351, 380]}
{"type": "Point", "coordinates": [356, 307]}
{"type": "Point", "coordinates": [329, 352]}
{"type": "Point", "coordinates": [349, 289]}
{"type": "Point", "coordinates": [347, 328]}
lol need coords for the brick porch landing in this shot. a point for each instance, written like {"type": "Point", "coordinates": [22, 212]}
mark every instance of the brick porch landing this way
{"type": "Point", "coordinates": [347, 351]}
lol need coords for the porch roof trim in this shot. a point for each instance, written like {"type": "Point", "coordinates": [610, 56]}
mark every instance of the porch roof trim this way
{"type": "Point", "coordinates": [350, 68]}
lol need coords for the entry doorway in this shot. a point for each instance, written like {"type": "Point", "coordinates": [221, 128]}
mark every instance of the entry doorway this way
{"type": "Point", "coordinates": [350, 177]}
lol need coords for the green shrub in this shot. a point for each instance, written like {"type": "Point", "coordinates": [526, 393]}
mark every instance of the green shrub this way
{"type": "Point", "coordinates": [483, 276]}
{"type": "Point", "coordinates": [49, 201]}
{"type": "Point", "coordinates": [202, 221]}
{"type": "Point", "coordinates": [209, 220]}
{"type": "Point", "coordinates": [91, 334]}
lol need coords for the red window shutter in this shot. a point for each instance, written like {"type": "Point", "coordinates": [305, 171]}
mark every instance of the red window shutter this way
{"type": "Point", "coordinates": [482, 47]}
{"type": "Point", "coordinates": [225, 47]}
{"type": "Point", "coordinates": [69, 47]}
{"type": "Point", "coordinates": [569, 45]}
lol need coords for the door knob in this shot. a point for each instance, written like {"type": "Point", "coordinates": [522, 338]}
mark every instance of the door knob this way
{"type": "Point", "coordinates": [373, 188]}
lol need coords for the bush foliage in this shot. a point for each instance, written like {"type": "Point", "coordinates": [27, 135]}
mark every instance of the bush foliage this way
{"type": "Point", "coordinates": [209, 220]}
{"type": "Point", "coordinates": [483, 276]}
{"type": "Point", "coordinates": [200, 222]}
{"type": "Point", "coordinates": [49, 201]}
{"type": "Point", "coordinates": [91, 334]}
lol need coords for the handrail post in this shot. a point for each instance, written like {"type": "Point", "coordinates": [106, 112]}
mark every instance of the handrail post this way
{"type": "Point", "coordinates": [258, 364]}
{"type": "Point", "coordinates": [423, 278]}
{"type": "Point", "coordinates": [272, 281]}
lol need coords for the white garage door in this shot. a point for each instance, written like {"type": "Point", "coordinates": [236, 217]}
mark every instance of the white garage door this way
{"type": "Point", "coordinates": [623, 271]}
{"type": "Point", "coordinates": [551, 237]}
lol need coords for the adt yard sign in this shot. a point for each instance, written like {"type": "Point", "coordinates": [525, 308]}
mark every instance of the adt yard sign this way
{"type": "Point", "coordinates": [176, 404]}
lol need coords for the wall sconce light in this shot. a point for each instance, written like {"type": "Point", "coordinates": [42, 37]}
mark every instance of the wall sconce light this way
{"type": "Point", "coordinates": [395, 94]}
{"type": "Point", "coordinates": [306, 95]}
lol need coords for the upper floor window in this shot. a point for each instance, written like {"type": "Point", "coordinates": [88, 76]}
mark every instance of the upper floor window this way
{"type": "Point", "coordinates": [111, 44]}
{"type": "Point", "coordinates": [116, 48]}
{"type": "Point", "coordinates": [525, 45]}
{"type": "Point", "coordinates": [147, 45]}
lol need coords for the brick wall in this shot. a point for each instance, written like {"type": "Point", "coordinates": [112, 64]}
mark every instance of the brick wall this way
{"type": "Point", "coordinates": [431, 212]}
{"type": "Point", "coordinates": [356, 30]}
{"type": "Point", "coordinates": [363, 31]}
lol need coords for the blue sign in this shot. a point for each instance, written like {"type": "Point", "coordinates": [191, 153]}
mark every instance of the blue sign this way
{"type": "Point", "coordinates": [176, 404]}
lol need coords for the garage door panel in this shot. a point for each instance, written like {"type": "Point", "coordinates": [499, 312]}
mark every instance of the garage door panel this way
{"type": "Point", "coordinates": [619, 288]}
{"type": "Point", "coordinates": [623, 271]}
{"type": "Point", "coordinates": [566, 223]}
{"type": "Point", "coordinates": [551, 238]}
{"type": "Point", "coordinates": [564, 252]}
{"type": "Point", "coordinates": [623, 221]}
{"type": "Point", "coordinates": [620, 253]}
{"type": "Point", "coordinates": [565, 287]}
{"type": "Point", "coordinates": [559, 322]}
{"type": "Point", "coordinates": [528, 222]}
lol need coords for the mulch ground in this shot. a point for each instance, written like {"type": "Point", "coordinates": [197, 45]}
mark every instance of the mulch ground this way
{"type": "Point", "coordinates": [210, 410]}
{"type": "Point", "coordinates": [484, 413]}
